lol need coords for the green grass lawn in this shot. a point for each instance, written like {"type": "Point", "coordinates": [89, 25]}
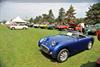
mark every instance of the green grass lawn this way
{"type": "Point", "coordinates": [18, 48]}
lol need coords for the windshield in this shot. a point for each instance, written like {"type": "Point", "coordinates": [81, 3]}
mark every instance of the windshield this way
{"type": "Point", "coordinates": [66, 33]}
{"type": "Point", "coordinates": [72, 34]}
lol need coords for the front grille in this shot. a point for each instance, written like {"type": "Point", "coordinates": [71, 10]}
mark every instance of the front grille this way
{"type": "Point", "coordinates": [44, 48]}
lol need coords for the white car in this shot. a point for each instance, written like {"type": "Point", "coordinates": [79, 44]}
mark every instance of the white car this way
{"type": "Point", "coordinates": [36, 25]}
{"type": "Point", "coordinates": [18, 26]}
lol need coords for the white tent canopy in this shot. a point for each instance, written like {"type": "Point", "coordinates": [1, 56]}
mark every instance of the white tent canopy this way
{"type": "Point", "coordinates": [18, 19]}
{"type": "Point", "coordinates": [8, 22]}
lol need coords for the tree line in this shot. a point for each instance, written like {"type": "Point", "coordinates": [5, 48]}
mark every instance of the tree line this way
{"type": "Point", "coordinates": [92, 16]}
{"type": "Point", "coordinates": [61, 19]}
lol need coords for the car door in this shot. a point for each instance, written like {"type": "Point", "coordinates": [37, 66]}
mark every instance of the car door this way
{"type": "Point", "coordinates": [74, 46]}
{"type": "Point", "coordinates": [82, 43]}
{"type": "Point", "coordinates": [19, 27]}
{"type": "Point", "coordinates": [79, 44]}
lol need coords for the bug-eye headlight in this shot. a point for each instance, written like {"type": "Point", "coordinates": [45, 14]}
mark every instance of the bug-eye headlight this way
{"type": "Point", "coordinates": [44, 39]}
{"type": "Point", "coordinates": [53, 43]}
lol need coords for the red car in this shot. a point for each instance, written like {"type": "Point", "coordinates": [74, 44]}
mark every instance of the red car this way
{"type": "Point", "coordinates": [98, 34]}
{"type": "Point", "coordinates": [72, 25]}
{"type": "Point", "coordinates": [98, 62]}
{"type": "Point", "coordinates": [62, 27]}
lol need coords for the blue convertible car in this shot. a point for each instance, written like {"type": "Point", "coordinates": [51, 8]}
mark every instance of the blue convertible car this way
{"type": "Point", "coordinates": [63, 45]}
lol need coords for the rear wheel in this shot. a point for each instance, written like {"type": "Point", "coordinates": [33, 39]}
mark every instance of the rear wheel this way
{"type": "Point", "coordinates": [89, 45]}
{"type": "Point", "coordinates": [62, 55]}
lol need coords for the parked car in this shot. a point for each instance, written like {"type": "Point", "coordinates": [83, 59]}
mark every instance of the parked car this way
{"type": "Point", "coordinates": [43, 26]}
{"type": "Point", "coordinates": [90, 29]}
{"type": "Point", "coordinates": [62, 27]}
{"type": "Point", "coordinates": [30, 24]}
{"type": "Point", "coordinates": [51, 26]}
{"type": "Point", "coordinates": [18, 26]}
{"type": "Point", "coordinates": [97, 26]}
{"type": "Point", "coordinates": [36, 25]}
{"type": "Point", "coordinates": [63, 45]}
{"type": "Point", "coordinates": [98, 62]}
{"type": "Point", "coordinates": [72, 24]}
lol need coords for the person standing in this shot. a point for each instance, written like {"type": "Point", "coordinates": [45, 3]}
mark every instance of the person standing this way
{"type": "Point", "coordinates": [83, 27]}
{"type": "Point", "coordinates": [98, 34]}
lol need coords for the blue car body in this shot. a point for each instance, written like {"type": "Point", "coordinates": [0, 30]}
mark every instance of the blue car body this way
{"type": "Point", "coordinates": [73, 44]}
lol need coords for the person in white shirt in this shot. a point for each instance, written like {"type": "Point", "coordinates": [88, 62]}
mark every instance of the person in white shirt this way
{"type": "Point", "coordinates": [83, 27]}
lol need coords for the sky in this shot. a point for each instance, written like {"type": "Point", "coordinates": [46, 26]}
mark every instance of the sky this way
{"type": "Point", "coordinates": [52, 1]}
{"type": "Point", "coordinates": [26, 9]}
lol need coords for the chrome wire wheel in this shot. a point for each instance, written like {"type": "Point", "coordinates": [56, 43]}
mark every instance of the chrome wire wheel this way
{"type": "Point", "coordinates": [63, 55]}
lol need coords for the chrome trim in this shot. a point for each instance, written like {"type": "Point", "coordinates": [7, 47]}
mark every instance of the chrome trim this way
{"type": "Point", "coordinates": [44, 48]}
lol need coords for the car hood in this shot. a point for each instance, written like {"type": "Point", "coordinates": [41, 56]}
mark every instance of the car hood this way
{"type": "Point", "coordinates": [59, 38]}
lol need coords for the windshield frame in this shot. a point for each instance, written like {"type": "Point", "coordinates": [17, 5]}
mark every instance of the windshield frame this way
{"type": "Point", "coordinates": [72, 34]}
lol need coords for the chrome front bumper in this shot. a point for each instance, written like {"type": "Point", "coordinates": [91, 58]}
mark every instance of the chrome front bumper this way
{"type": "Point", "coordinates": [44, 48]}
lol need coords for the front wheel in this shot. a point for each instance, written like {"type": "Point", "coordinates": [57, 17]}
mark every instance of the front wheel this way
{"type": "Point", "coordinates": [89, 45]}
{"type": "Point", "coordinates": [24, 28]}
{"type": "Point", "coordinates": [13, 28]}
{"type": "Point", "coordinates": [62, 55]}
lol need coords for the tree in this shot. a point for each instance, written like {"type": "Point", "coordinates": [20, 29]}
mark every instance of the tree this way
{"type": "Point", "coordinates": [51, 15]}
{"type": "Point", "coordinates": [93, 14]}
{"type": "Point", "coordinates": [61, 16]}
{"type": "Point", "coordinates": [4, 21]}
{"type": "Point", "coordinates": [31, 20]}
{"type": "Point", "coordinates": [38, 19]}
{"type": "Point", "coordinates": [45, 17]}
{"type": "Point", "coordinates": [70, 14]}
{"type": "Point", "coordinates": [79, 20]}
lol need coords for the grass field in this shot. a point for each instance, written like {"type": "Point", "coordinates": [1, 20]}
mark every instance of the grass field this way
{"type": "Point", "coordinates": [18, 48]}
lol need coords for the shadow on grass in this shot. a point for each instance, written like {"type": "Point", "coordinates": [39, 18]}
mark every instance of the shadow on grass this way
{"type": "Point", "coordinates": [89, 64]}
{"type": "Point", "coordinates": [48, 56]}
{"type": "Point", "coordinates": [54, 60]}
